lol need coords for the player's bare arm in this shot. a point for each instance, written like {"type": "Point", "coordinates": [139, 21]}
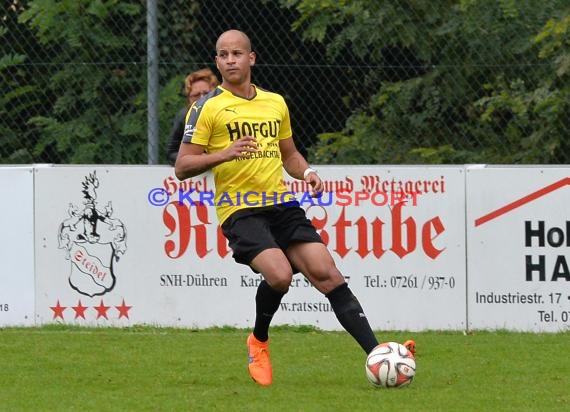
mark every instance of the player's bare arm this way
{"type": "Point", "coordinates": [192, 160]}
{"type": "Point", "coordinates": [295, 164]}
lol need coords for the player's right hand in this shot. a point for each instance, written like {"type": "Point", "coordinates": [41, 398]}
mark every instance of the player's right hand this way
{"type": "Point", "coordinates": [241, 147]}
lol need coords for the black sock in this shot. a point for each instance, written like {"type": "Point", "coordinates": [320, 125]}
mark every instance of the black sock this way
{"type": "Point", "coordinates": [267, 302]}
{"type": "Point", "coordinates": [351, 316]}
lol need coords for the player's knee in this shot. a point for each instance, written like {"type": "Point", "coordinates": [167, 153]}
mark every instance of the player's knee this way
{"type": "Point", "coordinates": [328, 280]}
{"type": "Point", "coordinates": [328, 273]}
{"type": "Point", "coordinates": [279, 276]}
{"type": "Point", "coordinates": [282, 281]}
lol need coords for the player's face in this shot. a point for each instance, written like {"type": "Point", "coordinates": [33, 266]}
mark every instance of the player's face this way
{"type": "Point", "coordinates": [234, 59]}
{"type": "Point", "coordinates": [199, 88]}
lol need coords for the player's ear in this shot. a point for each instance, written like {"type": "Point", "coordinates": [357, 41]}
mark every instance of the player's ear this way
{"type": "Point", "coordinates": [252, 57]}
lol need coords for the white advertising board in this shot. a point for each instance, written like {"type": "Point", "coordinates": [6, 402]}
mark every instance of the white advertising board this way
{"type": "Point", "coordinates": [404, 262]}
{"type": "Point", "coordinates": [17, 246]}
{"type": "Point", "coordinates": [518, 227]}
{"type": "Point", "coordinates": [106, 255]}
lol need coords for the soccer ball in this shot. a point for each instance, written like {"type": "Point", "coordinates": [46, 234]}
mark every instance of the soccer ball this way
{"type": "Point", "coordinates": [390, 365]}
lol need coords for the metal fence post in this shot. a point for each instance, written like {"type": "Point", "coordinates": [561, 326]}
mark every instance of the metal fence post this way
{"type": "Point", "coordinates": [152, 78]}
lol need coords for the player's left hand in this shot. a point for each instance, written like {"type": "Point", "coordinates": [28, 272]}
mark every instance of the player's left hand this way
{"type": "Point", "coordinates": [316, 184]}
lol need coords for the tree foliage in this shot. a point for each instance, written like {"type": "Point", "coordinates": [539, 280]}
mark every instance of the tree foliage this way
{"type": "Point", "coordinates": [92, 114]}
{"type": "Point", "coordinates": [448, 81]}
{"type": "Point", "coordinates": [18, 91]}
{"type": "Point", "coordinates": [91, 75]}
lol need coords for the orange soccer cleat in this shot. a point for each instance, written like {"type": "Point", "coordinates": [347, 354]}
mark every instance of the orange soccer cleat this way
{"type": "Point", "coordinates": [411, 346]}
{"type": "Point", "coordinates": [259, 363]}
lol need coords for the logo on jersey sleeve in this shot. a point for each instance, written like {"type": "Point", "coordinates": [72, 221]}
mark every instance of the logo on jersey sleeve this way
{"type": "Point", "coordinates": [189, 131]}
{"type": "Point", "coordinates": [191, 121]}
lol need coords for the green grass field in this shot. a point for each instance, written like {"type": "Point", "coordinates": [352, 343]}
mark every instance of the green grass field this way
{"type": "Point", "coordinates": [60, 368]}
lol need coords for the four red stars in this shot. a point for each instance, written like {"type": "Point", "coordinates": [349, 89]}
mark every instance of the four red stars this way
{"type": "Point", "coordinates": [101, 310]}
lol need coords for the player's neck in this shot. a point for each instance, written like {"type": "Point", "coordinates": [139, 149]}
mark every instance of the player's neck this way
{"type": "Point", "coordinates": [245, 90]}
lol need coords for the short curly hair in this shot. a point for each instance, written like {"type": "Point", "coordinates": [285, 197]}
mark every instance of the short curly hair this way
{"type": "Point", "coordinates": [203, 74]}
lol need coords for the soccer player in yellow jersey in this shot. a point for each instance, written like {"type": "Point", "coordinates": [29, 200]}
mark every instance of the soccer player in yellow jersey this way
{"type": "Point", "coordinates": [243, 133]}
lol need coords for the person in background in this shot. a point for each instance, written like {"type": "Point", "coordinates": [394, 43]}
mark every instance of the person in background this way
{"type": "Point", "coordinates": [196, 85]}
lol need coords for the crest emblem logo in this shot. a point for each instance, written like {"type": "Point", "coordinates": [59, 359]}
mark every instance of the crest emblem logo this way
{"type": "Point", "coordinates": [93, 240]}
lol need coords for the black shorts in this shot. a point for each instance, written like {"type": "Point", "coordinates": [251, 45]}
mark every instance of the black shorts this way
{"type": "Point", "coordinates": [251, 231]}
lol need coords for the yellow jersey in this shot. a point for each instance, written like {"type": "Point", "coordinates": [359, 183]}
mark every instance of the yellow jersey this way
{"type": "Point", "coordinates": [256, 179]}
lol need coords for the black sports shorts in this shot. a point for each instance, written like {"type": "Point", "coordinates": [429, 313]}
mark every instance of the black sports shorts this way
{"type": "Point", "coordinates": [251, 231]}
